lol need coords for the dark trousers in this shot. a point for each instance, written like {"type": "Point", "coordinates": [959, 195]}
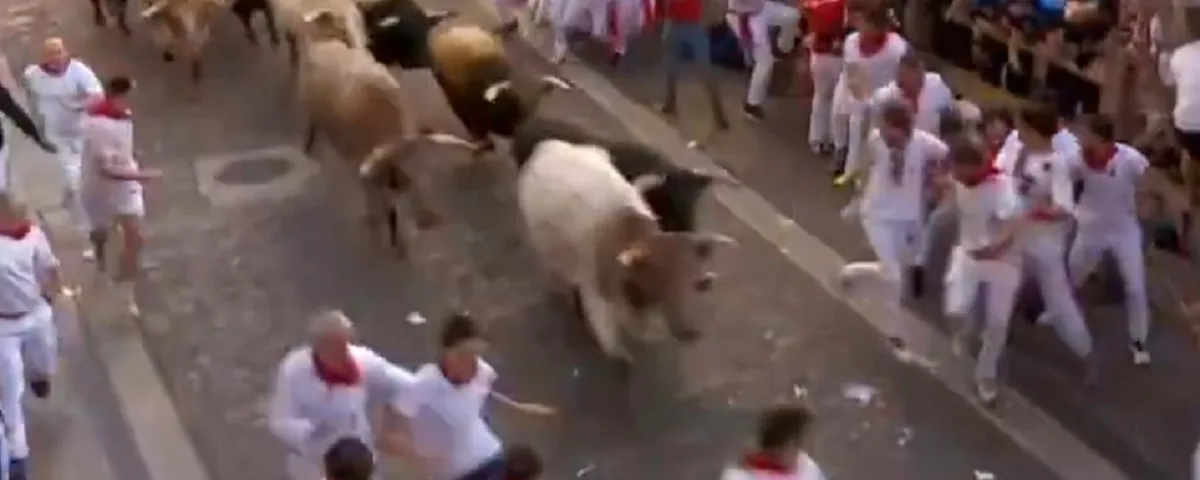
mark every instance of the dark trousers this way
{"type": "Point", "coordinates": [684, 41]}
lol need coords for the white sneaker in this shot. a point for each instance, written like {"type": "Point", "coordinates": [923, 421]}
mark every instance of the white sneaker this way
{"type": "Point", "coordinates": [987, 392]}
{"type": "Point", "coordinates": [1044, 319]}
{"type": "Point", "coordinates": [1140, 355]}
{"type": "Point", "coordinates": [89, 254]}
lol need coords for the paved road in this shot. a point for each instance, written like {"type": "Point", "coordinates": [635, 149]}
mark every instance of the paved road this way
{"type": "Point", "coordinates": [233, 281]}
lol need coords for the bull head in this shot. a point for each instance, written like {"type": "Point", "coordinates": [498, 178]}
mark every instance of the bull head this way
{"type": "Point", "coordinates": [375, 162]}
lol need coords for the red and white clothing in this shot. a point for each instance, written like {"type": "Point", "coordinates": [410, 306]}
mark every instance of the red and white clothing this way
{"type": "Point", "coordinates": [827, 26]}
{"type": "Point", "coordinates": [611, 21]}
{"type": "Point", "coordinates": [928, 104]}
{"type": "Point", "coordinates": [982, 209]}
{"type": "Point", "coordinates": [751, 21]}
{"type": "Point", "coordinates": [59, 96]}
{"type": "Point", "coordinates": [1107, 221]}
{"type": "Point", "coordinates": [28, 337]}
{"type": "Point", "coordinates": [877, 61]}
{"type": "Point", "coordinates": [311, 407]}
{"type": "Point", "coordinates": [108, 143]}
{"type": "Point", "coordinates": [446, 421]}
{"type": "Point", "coordinates": [751, 469]}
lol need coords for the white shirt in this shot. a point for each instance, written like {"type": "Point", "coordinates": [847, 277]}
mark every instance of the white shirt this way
{"type": "Point", "coordinates": [447, 422]}
{"type": "Point", "coordinates": [807, 470]}
{"type": "Point", "coordinates": [884, 198]}
{"type": "Point", "coordinates": [880, 68]}
{"type": "Point", "coordinates": [982, 208]}
{"type": "Point", "coordinates": [1064, 143]}
{"type": "Point", "coordinates": [934, 99]}
{"type": "Point", "coordinates": [108, 141]}
{"type": "Point", "coordinates": [1046, 180]}
{"type": "Point", "coordinates": [1185, 71]}
{"type": "Point", "coordinates": [1109, 198]}
{"type": "Point", "coordinates": [308, 415]}
{"type": "Point", "coordinates": [59, 100]}
{"type": "Point", "coordinates": [23, 264]}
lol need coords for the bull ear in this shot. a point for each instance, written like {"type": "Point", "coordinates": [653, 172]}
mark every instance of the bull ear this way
{"type": "Point", "coordinates": [153, 9]}
{"type": "Point", "coordinates": [551, 82]}
{"type": "Point", "coordinates": [494, 90]}
{"type": "Point", "coordinates": [645, 183]}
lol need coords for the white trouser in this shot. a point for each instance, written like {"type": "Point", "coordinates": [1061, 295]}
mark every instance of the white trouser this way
{"type": "Point", "coordinates": [842, 107]}
{"type": "Point", "coordinates": [999, 280]}
{"type": "Point", "coordinates": [4, 186]}
{"type": "Point", "coordinates": [1044, 254]}
{"type": "Point", "coordinates": [567, 15]}
{"type": "Point", "coordinates": [854, 125]}
{"type": "Point", "coordinates": [893, 242]}
{"type": "Point", "coordinates": [773, 14]}
{"type": "Point", "coordinates": [70, 160]}
{"type": "Point", "coordinates": [825, 70]}
{"type": "Point", "coordinates": [1196, 463]}
{"type": "Point", "coordinates": [31, 341]}
{"type": "Point", "coordinates": [1125, 244]}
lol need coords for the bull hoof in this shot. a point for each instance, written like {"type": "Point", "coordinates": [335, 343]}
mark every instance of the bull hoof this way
{"type": "Point", "coordinates": [168, 57]}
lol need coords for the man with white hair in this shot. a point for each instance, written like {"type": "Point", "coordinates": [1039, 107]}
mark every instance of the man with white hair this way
{"type": "Point", "coordinates": [322, 393]}
{"type": "Point", "coordinates": [29, 283]}
{"type": "Point", "coordinates": [60, 88]}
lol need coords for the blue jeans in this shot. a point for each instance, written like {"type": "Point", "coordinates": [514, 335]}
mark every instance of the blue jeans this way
{"type": "Point", "coordinates": [684, 41]}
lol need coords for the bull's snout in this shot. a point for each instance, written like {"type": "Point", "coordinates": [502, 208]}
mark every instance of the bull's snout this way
{"type": "Point", "coordinates": [168, 57]}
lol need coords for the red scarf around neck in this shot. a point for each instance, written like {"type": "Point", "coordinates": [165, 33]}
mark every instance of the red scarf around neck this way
{"type": "Point", "coordinates": [762, 462]}
{"type": "Point", "coordinates": [1099, 159]}
{"type": "Point", "coordinates": [110, 107]}
{"type": "Point", "coordinates": [345, 376]}
{"type": "Point", "coordinates": [17, 231]}
{"type": "Point", "coordinates": [987, 175]}
{"type": "Point", "coordinates": [869, 45]}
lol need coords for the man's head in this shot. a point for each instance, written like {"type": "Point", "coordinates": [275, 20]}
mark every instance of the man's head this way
{"type": "Point", "coordinates": [968, 163]}
{"type": "Point", "coordinates": [54, 53]}
{"type": "Point", "coordinates": [1096, 133]}
{"type": "Point", "coordinates": [349, 459]}
{"type": "Point", "coordinates": [896, 122]}
{"type": "Point", "coordinates": [911, 75]}
{"type": "Point", "coordinates": [462, 344]}
{"type": "Point", "coordinates": [875, 21]}
{"type": "Point", "coordinates": [782, 431]}
{"type": "Point", "coordinates": [12, 210]}
{"type": "Point", "coordinates": [330, 334]}
{"type": "Point", "coordinates": [1037, 125]}
{"type": "Point", "coordinates": [997, 124]}
{"type": "Point", "coordinates": [521, 462]}
{"type": "Point", "coordinates": [118, 87]}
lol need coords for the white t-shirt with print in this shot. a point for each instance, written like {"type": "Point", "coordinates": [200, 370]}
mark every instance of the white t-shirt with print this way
{"type": "Point", "coordinates": [934, 99]}
{"type": "Point", "coordinates": [447, 423]}
{"type": "Point", "coordinates": [1185, 71]}
{"type": "Point", "coordinates": [1109, 198]}
{"type": "Point", "coordinates": [886, 199]}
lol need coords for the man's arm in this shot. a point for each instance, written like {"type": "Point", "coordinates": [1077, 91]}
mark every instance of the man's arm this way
{"type": "Point", "coordinates": [14, 112]}
{"type": "Point", "coordinates": [47, 265]}
{"type": "Point", "coordinates": [284, 417]}
{"type": "Point", "coordinates": [109, 168]}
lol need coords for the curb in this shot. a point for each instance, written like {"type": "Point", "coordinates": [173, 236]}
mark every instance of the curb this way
{"type": "Point", "coordinates": [148, 441]}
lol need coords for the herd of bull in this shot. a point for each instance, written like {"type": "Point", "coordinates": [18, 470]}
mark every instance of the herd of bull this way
{"type": "Point", "coordinates": [614, 221]}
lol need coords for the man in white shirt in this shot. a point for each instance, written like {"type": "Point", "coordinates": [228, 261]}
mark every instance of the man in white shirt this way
{"type": "Point", "coordinates": [322, 393]}
{"type": "Point", "coordinates": [871, 57]}
{"type": "Point", "coordinates": [984, 260]}
{"type": "Point", "coordinates": [1184, 71]}
{"type": "Point", "coordinates": [1042, 176]}
{"type": "Point", "coordinates": [902, 163]}
{"type": "Point", "coordinates": [60, 88]}
{"type": "Point", "coordinates": [444, 407]}
{"type": "Point", "coordinates": [112, 182]}
{"type": "Point", "coordinates": [1106, 220]}
{"type": "Point", "coordinates": [779, 453]}
{"type": "Point", "coordinates": [29, 284]}
{"type": "Point", "coordinates": [751, 21]}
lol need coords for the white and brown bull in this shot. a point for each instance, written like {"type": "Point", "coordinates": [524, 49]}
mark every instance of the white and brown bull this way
{"type": "Point", "coordinates": [358, 106]}
{"type": "Point", "coordinates": [595, 232]}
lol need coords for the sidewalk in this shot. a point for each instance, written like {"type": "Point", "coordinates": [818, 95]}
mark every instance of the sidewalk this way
{"type": "Point", "coordinates": [110, 416]}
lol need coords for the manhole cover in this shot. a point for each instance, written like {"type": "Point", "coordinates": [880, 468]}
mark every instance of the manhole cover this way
{"type": "Point", "coordinates": [253, 171]}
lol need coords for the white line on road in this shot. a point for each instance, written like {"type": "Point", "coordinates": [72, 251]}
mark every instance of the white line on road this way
{"type": "Point", "coordinates": [1027, 425]}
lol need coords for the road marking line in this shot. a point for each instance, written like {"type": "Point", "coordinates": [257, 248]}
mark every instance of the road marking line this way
{"type": "Point", "coordinates": [1034, 430]}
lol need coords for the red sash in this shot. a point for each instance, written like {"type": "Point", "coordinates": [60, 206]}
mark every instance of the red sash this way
{"type": "Point", "coordinates": [747, 40]}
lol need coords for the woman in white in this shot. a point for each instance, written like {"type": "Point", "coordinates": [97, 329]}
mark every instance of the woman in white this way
{"type": "Point", "coordinates": [984, 259]}
{"type": "Point", "coordinates": [751, 21]}
{"type": "Point", "coordinates": [1042, 176]}
{"type": "Point", "coordinates": [872, 57]}
{"type": "Point", "coordinates": [29, 284]}
{"type": "Point", "coordinates": [443, 409]}
{"type": "Point", "coordinates": [60, 88]}
{"type": "Point", "coordinates": [322, 393]}
{"type": "Point", "coordinates": [779, 452]}
{"type": "Point", "coordinates": [1107, 221]}
{"type": "Point", "coordinates": [903, 163]}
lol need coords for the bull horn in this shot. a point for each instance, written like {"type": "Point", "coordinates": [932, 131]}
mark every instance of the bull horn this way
{"type": "Point", "coordinates": [553, 81]}
{"type": "Point", "coordinates": [441, 138]}
{"type": "Point", "coordinates": [644, 183]}
{"type": "Point", "coordinates": [153, 10]}
{"type": "Point", "coordinates": [370, 164]}
{"type": "Point", "coordinates": [721, 177]}
{"type": "Point", "coordinates": [388, 21]}
{"type": "Point", "coordinates": [713, 239]}
{"type": "Point", "coordinates": [493, 91]}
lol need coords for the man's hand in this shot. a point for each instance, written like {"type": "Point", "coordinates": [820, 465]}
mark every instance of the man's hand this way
{"type": "Point", "coordinates": [46, 146]}
{"type": "Point", "coordinates": [150, 174]}
{"type": "Point", "coordinates": [537, 409]}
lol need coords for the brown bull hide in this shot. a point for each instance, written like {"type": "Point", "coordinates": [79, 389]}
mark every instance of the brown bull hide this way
{"type": "Point", "coordinates": [180, 28]}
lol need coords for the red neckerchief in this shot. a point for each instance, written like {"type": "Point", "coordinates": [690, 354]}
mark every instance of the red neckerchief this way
{"type": "Point", "coordinates": [615, 35]}
{"type": "Point", "coordinates": [1099, 159]}
{"type": "Point", "coordinates": [110, 107]}
{"type": "Point", "coordinates": [992, 152]}
{"type": "Point", "coordinates": [55, 70]}
{"type": "Point", "coordinates": [869, 45]}
{"type": "Point", "coordinates": [456, 380]}
{"type": "Point", "coordinates": [649, 13]}
{"type": "Point", "coordinates": [347, 376]}
{"type": "Point", "coordinates": [986, 175]}
{"type": "Point", "coordinates": [743, 33]}
{"type": "Point", "coordinates": [18, 230]}
{"type": "Point", "coordinates": [762, 462]}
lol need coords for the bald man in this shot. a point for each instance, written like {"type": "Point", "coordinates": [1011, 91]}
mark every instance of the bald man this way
{"type": "Point", "coordinates": [60, 88]}
{"type": "Point", "coordinates": [322, 393]}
